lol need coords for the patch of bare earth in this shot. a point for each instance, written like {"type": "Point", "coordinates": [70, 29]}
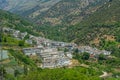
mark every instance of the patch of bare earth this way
{"type": "Point", "coordinates": [74, 63]}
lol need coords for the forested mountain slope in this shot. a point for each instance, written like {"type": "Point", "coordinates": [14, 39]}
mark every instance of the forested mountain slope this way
{"type": "Point", "coordinates": [10, 20]}
{"type": "Point", "coordinates": [69, 12]}
{"type": "Point", "coordinates": [107, 14]}
{"type": "Point", "coordinates": [102, 22]}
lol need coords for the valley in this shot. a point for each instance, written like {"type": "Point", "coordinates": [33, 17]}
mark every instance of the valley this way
{"type": "Point", "coordinates": [60, 40]}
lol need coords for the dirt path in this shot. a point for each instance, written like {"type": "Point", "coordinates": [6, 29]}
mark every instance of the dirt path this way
{"type": "Point", "coordinates": [105, 74]}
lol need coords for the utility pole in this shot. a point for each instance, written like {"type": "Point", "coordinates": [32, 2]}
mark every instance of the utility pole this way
{"type": "Point", "coordinates": [1, 65]}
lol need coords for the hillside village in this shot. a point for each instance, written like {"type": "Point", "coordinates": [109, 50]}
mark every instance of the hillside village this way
{"type": "Point", "coordinates": [60, 40]}
{"type": "Point", "coordinates": [51, 53]}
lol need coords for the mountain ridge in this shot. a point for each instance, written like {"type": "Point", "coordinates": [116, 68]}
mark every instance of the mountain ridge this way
{"type": "Point", "coordinates": [53, 12]}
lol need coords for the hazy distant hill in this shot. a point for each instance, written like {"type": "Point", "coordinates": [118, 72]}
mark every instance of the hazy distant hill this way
{"type": "Point", "coordinates": [3, 3]}
{"type": "Point", "coordinates": [53, 12]}
{"type": "Point", "coordinates": [27, 7]}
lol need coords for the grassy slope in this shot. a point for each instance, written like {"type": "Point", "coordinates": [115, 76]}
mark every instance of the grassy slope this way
{"type": "Point", "coordinates": [78, 73]}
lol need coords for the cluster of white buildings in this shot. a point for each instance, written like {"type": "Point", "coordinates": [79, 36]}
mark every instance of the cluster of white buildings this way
{"type": "Point", "coordinates": [47, 50]}
{"type": "Point", "coordinates": [53, 44]}
{"type": "Point", "coordinates": [15, 33]}
{"type": "Point", "coordinates": [93, 51]}
{"type": "Point", "coordinates": [50, 57]}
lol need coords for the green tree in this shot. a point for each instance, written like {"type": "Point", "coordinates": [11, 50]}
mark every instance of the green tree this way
{"type": "Point", "coordinates": [101, 57]}
{"type": "Point", "coordinates": [85, 56]}
{"type": "Point", "coordinates": [76, 50]}
{"type": "Point", "coordinates": [16, 73]}
{"type": "Point", "coordinates": [25, 69]}
{"type": "Point", "coordinates": [21, 43]}
{"type": "Point", "coordinates": [2, 71]}
{"type": "Point", "coordinates": [5, 39]}
{"type": "Point", "coordinates": [0, 39]}
{"type": "Point", "coordinates": [66, 50]}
